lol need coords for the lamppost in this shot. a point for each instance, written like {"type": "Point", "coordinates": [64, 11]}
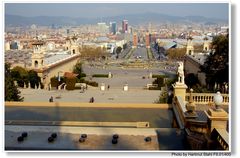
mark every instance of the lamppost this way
{"type": "Point", "coordinates": [59, 79]}
{"type": "Point", "coordinates": [218, 99]}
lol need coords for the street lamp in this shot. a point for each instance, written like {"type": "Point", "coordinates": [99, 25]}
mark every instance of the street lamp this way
{"type": "Point", "coordinates": [59, 79]}
{"type": "Point", "coordinates": [218, 99]}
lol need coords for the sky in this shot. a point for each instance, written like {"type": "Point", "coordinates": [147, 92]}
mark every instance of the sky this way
{"type": "Point", "coordinates": [90, 10]}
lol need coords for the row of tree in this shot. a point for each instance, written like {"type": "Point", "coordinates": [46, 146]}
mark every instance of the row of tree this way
{"type": "Point", "coordinates": [93, 53]}
{"type": "Point", "coordinates": [23, 76]}
{"type": "Point", "coordinates": [176, 53]}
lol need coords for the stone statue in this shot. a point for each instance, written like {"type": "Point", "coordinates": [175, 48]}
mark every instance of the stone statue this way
{"type": "Point", "coordinates": [180, 73]}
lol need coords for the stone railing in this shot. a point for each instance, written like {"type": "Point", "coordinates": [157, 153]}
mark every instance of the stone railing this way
{"type": "Point", "coordinates": [179, 109]}
{"type": "Point", "coordinates": [222, 137]}
{"type": "Point", "coordinates": [78, 123]}
{"type": "Point", "coordinates": [206, 98]}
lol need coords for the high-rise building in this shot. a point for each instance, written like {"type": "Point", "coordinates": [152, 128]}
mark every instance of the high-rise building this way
{"type": "Point", "coordinates": [113, 27]}
{"type": "Point", "coordinates": [124, 26]}
{"type": "Point", "coordinates": [147, 40]}
{"type": "Point", "coordinates": [135, 40]}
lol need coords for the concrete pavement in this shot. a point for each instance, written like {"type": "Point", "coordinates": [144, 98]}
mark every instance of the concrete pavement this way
{"type": "Point", "coordinates": [113, 95]}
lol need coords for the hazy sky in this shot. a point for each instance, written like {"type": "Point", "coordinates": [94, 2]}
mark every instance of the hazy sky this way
{"type": "Point", "coordinates": [216, 10]}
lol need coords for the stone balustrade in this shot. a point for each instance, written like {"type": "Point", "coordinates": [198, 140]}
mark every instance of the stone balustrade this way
{"type": "Point", "coordinates": [206, 98]}
{"type": "Point", "coordinates": [222, 137]}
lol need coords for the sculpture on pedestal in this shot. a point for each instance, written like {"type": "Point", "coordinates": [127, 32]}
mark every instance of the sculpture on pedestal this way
{"type": "Point", "coordinates": [180, 73]}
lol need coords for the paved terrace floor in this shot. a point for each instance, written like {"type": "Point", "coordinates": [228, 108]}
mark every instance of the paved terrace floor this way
{"type": "Point", "coordinates": [114, 95]}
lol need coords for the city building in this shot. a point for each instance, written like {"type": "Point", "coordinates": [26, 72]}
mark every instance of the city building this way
{"type": "Point", "coordinates": [135, 40]}
{"type": "Point", "coordinates": [113, 28]}
{"type": "Point", "coordinates": [125, 26]}
{"type": "Point", "coordinates": [190, 48]}
{"type": "Point", "coordinates": [147, 40]}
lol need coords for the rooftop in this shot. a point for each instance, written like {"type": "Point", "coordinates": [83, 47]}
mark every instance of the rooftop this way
{"type": "Point", "coordinates": [55, 57]}
{"type": "Point", "coordinates": [199, 58]}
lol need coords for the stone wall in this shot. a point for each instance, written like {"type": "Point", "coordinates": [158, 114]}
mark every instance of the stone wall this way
{"type": "Point", "coordinates": [61, 67]}
{"type": "Point", "coordinates": [191, 66]}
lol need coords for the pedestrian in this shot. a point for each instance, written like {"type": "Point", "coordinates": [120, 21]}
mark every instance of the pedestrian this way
{"type": "Point", "coordinates": [51, 99]}
{"type": "Point", "coordinates": [91, 100]}
{"type": "Point", "coordinates": [108, 87]}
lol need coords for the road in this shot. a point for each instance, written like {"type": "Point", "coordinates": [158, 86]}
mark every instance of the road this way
{"type": "Point", "coordinates": [158, 118]}
{"type": "Point", "coordinates": [140, 52]}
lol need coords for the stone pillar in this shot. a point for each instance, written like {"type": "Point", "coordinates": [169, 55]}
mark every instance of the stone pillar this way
{"type": "Point", "coordinates": [109, 75]}
{"type": "Point", "coordinates": [59, 87]}
{"type": "Point", "coordinates": [125, 87]}
{"type": "Point", "coordinates": [15, 83]}
{"type": "Point", "coordinates": [217, 119]}
{"type": "Point", "coordinates": [150, 75]}
{"type": "Point", "coordinates": [24, 85]}
{"type": "Point", "coordinates": [29, 85]}
{"type": "Point", "coordinates": [102, 87]}
{"type": "Point", "coordinates": [179, 89]}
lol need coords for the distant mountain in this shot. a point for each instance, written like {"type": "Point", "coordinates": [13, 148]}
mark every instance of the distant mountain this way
{"type": "Point", "coordinates": [134, 19]}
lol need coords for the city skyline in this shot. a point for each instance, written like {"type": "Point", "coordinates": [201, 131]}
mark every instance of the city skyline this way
{"type": "Point", "coordinates": [211, 10]}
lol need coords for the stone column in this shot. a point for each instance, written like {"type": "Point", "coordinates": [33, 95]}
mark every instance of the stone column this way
{"type": "Point", "coordinates": [179, 89]}
{"type": "Point", "coordinates": [150, 75]}
{"type": "Point", "coordinates": [102, 87]}
{"type": "Point", "coordinates": [217, 119]}
{"type": "Point", "coordinates": [15, 83]}
{"type": "Point", "coordinates": [125, 87]}
{"type": "Point", "coordinates": [109, 75]}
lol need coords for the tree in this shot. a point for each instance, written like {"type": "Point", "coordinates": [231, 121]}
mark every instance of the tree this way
{"type": "Point", "coordinates": [176, 53]}
{"type": "Point", "coordinates": [70, 83]}
{"type": "Point", "coordinates": [33, 78]}
{"type": "Point", "coordinates": [11, 91]}
{"type": "Point", "coordinates": [118, 50]}
{"type": "Point", "coordinates": [216, 65]}
{"type": "Point", "coordinates": [159, 81]}
{"type": "Point", "coordinates": [92, 53]}
{"type": "Point", "coordinates": [191, 80]}
{"type": "Point", "coordinates": [20, 75]}
{"type": "Point", "coordinates": [78, 69]}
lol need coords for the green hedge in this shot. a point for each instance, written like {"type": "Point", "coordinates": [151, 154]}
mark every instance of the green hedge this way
{"type": "Point", "coordinates": [80, 80]}
{"type": "Point", "coordinates": [159, 81]}
{"type": "Point", "coordinates": [70, 83]}
{"type": "Point", "coordinates": [92, 83]}
{"type": "Point", "coordinates": [82, 75]}
{"type": "Point", "coordinates": [100, 75]}
{"type": "Point", "coordinates": [54, 82]}
{"type": "Point", "coordinates": [159, 76]}
{"type": "Point", "coordinates": [154, 88]}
